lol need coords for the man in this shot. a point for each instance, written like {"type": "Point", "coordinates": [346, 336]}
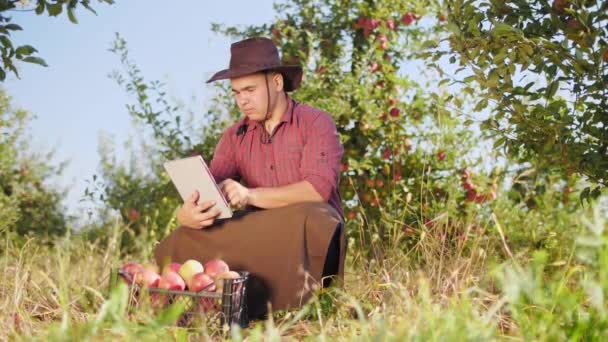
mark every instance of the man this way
{"type": "Point", "coordinates": [281, 163]}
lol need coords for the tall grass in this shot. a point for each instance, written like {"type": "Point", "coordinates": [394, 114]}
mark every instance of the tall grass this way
{"type": "Point", "coordinates": [471, 278]}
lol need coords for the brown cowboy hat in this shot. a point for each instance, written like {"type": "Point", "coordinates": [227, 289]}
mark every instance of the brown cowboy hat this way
{"type": "Point", "coordinates": [255, 55]}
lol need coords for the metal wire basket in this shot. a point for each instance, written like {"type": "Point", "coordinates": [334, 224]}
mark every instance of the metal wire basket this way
{"type": "Point", "coordinates": [226, 306]}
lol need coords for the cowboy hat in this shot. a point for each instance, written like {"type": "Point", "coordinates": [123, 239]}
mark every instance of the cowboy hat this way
{"type": "Point", "coordinates": [256, 55]}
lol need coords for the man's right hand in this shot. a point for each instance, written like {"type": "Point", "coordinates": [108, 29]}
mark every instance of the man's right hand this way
{"type": "Point", "coordinates": [198, 216]}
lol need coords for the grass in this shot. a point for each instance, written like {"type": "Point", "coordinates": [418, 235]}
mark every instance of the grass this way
{"type": "Point", "coordinates": [459, 279]}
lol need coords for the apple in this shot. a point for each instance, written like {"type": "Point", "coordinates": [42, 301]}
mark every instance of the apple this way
{"type": "Point", "coordinates": [379, 183]}
{"type": "Point", "coordinates": [383, 41]}
{"type": "Point", "coordinates": [351, 215]}
{"type": "Point", "coordinates": [387, 153]}
{"type": "Point", "coordinates": [172, 267]}
{"type": "Point", "coordinates": [407, 18]}
{"type": "Point", "coordinates": [471, 195]}
{"type": "Point", "coordinates": [151, 267]}
{"type": "Point", "coordinates": [390, 24]}
{"type": "Point", "coordinates": [219, 281]}
{"type": "Point", "coordinates": [397, 177]}
{"type": "Point", "coordinates": [395, 112]}
{"type": "Point", "coordinates": [147, 278]}
{"type": "Point", "coordinates": [391, 102]}
{"type": "Point", "coordinates": [132, 269]}
{"type": "Point", "coordinates": [468, 185]}
{"type": "Point", "coordinates": [370, 183]}
{"type": "Point", "coordinates": [171, 281]}
{"type": "Point", "coordinates": [133, 215]}
{"type": "Point", "coordinates": [443, 18]}
{"type": "Point", "coordinates": [189, 269]}
{"type": "Point", "coordinates": [344, 167]}
{"type": "Point", "coordinates": [441, 155]}
{"type": "Point", "coordinates": [374, 66]}
{"type": "Point", "coordinates": [360, 23]}
{"type": "Point", "coordinates": [216, 267]}
{"type": "Point", "coordinates": [201, 281]}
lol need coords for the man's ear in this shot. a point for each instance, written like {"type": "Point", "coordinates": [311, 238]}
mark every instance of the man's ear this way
{"type": "Point", "coordinates": [277, 81]}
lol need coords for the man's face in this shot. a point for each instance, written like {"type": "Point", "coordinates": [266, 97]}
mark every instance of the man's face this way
{"type": "Point", "coordinates": [251, 94]}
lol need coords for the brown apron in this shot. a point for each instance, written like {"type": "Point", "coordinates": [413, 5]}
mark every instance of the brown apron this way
{"type": "Point", "coordinates": [284, 249]}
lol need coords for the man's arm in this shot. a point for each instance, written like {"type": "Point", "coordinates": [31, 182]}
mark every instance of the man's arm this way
{"type": "Point", "coordinates": [319, 167]}
{"type": "Point", "coordinates": [277, 197]}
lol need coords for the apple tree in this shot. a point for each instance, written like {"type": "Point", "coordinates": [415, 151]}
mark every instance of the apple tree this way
{"type": "Point", "coordinates": [540, 72]}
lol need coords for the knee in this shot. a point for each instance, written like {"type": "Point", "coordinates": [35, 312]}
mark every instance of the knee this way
{"type": "Point", "coordinates": [319, 210]}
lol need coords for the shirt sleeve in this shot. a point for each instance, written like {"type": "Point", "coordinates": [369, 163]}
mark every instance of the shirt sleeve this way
{"type": "Point", "coordinates": [224, 165]}
{"type": "Point", "coordinates": [320, 164]}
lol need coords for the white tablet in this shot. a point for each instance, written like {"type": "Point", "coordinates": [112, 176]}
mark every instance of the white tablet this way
{"type": "Point", "coordinates": [192, 173]}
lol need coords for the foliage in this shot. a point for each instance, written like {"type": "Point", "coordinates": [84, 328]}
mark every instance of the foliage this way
{"type": "Point", "coordinates": [27, 204]}
{"type": "Point", "coordinates": [27, 53]}
{"type": "Point", "coordinates": [539, 69]}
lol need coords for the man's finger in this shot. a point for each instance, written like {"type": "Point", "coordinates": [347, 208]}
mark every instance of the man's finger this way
{"type": "Point", "coordinates": [205, 206]}
{"type": "Point", "coordinates": [193, 197]}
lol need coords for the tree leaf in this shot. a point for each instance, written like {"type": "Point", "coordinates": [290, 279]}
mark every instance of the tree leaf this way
{"type": "Point", "coordinates": [35, 60]}
{"type": "Point", "coordinates": [55, 9]}
{"type": "Point", "coordinates": [25, 50]}
{"type": "Point", "coordinates": [13, 27]}
{"type": "Point", "coordinates": [72, 16]}
{"type": "Point", "coordinates": [552, 89]}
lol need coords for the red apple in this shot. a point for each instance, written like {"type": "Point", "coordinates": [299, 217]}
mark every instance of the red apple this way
{"type": "Point", "coordinates": [370, 183]}
{"type": "Point", "coordinates": [441, 155]}
{"type": "Point", "coordinates": [471, 195]}
{"type": "Point", "coordinates": [172, 267]}
{"type": "Point", "coordinates": [344, 167]}
{"type": "Point", "coordinates": [443, 18]}
{"type": "Point", "coordinates": [147, 278]}
{"type": "Point", "coordinates": [201, 281]}
{"type": "Point", "coordinates": [379, 183]}
{"type": "Point", "coordinates": [351, 215]}
{"type": "Point", "coordinates": [171, 281]}
{"type": "Point", "coordinates": [407, 18]}
{"type": "Point", "coordinates": [395, 112]}
{"type": "Point", "coordinates": [387, 153]}
{"type": "Point", "coordinates": [151, 267]}
{"type": "Point", "coordinates": [383, 41]}
{"type": "Point", "coordinates": [360, 23]}
{"type": "Point", "coordinates": [216, 267]}
{"type": "Point", "coordinates": [133, 215]}
{"type": "Point", "coordinates": [468, 185]}
{"type": "Point", "coordinates": [391, 102]}
{"type": "Point", "coordinates": [397, 177]}
{"type": "Point", "coordinates": [390, 24]}
{"type": "Point", "coordinates": [374, 66]}
{"type": "Point", "coordinates": [132, 269]}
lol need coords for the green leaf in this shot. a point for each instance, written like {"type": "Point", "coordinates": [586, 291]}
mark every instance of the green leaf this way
{"type": "Point", "coordinates": [502, 29]}
{"type": "Point", "coordinates": [55, 9]}
{"type": "Point", "coordinates": [72, 16]}
{"type": "Point", "coordinates": [35, 60]}
{"type": "Point", "coordinates": [40, 8]}
{"type": "Point", "coordinates": [25, 50]}
{"type": "Point", "coordinates": [2, 74]}
{"type": "Point", "coordinates": [552, 89]}
{"type": "Point", "coordinates": [13, 27]}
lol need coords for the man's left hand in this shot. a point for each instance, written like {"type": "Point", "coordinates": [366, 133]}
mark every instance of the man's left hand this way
{"type": "Point", "coordinates": [235, 192]}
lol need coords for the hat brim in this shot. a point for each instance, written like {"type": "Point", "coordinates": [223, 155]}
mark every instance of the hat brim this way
{"type": "Point", "coordinates": [292, 74]}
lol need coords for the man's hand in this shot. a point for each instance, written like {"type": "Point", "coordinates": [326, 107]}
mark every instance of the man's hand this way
{"type": "Point", "coordinates": [196, 216]}
{"type": "Point", "coordinates": [236, 194]}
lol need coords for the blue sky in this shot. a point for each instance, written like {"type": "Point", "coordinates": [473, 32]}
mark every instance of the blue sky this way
{"type": "Point", "coordinates": [74, 99]}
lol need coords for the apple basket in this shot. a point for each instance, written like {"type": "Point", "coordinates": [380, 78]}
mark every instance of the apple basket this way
{"type": "Point", "coordinates": [225, 306]}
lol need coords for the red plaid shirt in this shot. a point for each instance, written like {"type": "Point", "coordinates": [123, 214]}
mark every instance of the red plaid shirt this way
{"type": "Point", "coordinates": [304, 146]}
